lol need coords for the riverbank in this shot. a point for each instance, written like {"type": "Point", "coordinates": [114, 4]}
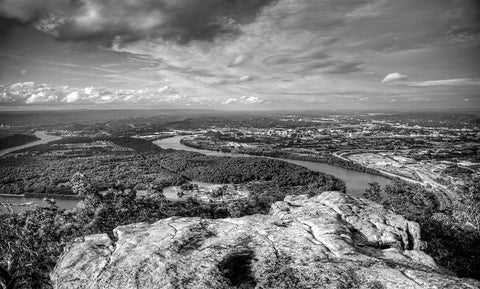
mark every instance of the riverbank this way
{"type": "Point", "coordinates": [332, 159]}
{"type": "Point", "coordinates": [356, 181]}
{"type": "Point", "coordinates": [43, 139]}
{"type": "Point", "coordinates": [16, 139]}
{"type": "Point", "coordinates": [12, 195]}
{"type": "Point", "coordinates": [445, 198]}
{"type": "Point", "coordinates": [48, 196]}
{"type": "Point", "coordinates": [52, 196]}
{"type": "Point", "coordinates": [17, 202]}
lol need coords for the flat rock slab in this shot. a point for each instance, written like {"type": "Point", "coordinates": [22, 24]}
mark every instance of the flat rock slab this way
{"type": "Point", "coordinates": [328, 241]}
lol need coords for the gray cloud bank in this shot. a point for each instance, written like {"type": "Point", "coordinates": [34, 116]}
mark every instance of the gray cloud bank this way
{"type": "Point", "coordinates": [111, 21]}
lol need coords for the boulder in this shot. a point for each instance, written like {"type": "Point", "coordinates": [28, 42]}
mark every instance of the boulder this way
{"type": "Point", "coordinates": [327, 241]}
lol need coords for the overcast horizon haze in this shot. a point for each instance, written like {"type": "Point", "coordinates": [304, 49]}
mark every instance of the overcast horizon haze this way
{"type": "Point", "coordinates": [240, 54]}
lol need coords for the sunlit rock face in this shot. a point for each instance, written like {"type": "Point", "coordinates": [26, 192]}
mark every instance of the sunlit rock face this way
{"type": "Point", "coordinates": [327, 241]}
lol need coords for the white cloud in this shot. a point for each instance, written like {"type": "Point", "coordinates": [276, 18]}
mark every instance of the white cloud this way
{"type": "Point", "coordinates": [447, 82]}
{"type": "Point", "coordinates": [250, 99]}
{"type": "Point", "coordinates": [31, 93]}
{"type": "Point", "coordinates": [164, 89]}
{"type": "Point", "coordinates": [40, 97]}
{"type": "Point", "coordinates": [105, 99]}
{"type": "Point", "coordinates": [88, 90]}
{"type": "Point", "coordinates": [244, 100]}
{"type": "Point", "coordinates": [230, 100]}
{"type": "Point", "coordinates": [393, 77]}
{"type": "Point", "coordinates": [72, 97]}
{"type": "Point", "coordinates": [22, 86]}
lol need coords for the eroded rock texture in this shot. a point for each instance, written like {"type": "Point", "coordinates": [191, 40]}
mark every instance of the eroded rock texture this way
{"type": "Point", "coordinates": [328, 241]}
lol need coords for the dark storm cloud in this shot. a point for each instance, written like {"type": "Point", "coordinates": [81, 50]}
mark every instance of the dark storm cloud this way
{"type": "Point", "coordinates": [29, 10]}
{"type": "Point", "coordinates": [130, 20]}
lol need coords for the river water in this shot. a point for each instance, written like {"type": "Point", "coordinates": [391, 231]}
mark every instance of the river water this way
{"type": "Point", "coordinates": [355, 181]}
{"type": "Point", "coordinates": [62, 203]}
{"type": "Point", "coordinates": [44, 138]}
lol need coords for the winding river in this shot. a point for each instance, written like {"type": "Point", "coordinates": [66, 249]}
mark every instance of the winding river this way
{"type": "Point", "coordinates": [355, 181]}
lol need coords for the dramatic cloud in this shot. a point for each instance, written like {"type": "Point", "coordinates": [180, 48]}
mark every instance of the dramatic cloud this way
{"type": "Point", "coordinates": [113, 21]}
{"type": "Point", "coordinates": [287, 53]}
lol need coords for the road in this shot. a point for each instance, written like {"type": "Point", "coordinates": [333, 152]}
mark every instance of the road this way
{"type": "Point", "coordinates": [446, 198]}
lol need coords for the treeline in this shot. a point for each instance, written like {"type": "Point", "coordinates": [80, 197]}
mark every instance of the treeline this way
{"type": "Point", "coordinates": [324, 158]}
{"type": "Point", "coordinates": [200, 167]}
{"type": "Point", "coordinates": [136, 144]}
{"type": "Point", "coordinates": [16, 140]}
{"type": "Point", "coordinates": [38, 175]}
{"type": "Point", "coordinates": [452, 236]}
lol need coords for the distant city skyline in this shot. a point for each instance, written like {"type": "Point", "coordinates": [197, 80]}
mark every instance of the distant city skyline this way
{"type": "Point", "coordinates": [240, 55]}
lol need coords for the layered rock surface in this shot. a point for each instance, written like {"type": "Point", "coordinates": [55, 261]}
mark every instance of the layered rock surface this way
{"type": "Point", "coordinates": [327, 241]}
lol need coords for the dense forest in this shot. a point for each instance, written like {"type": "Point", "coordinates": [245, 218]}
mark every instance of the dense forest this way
{"type": "Point", "coordinates": [149, 166]}
{"type": "Point", "coordinates": [452, 237]}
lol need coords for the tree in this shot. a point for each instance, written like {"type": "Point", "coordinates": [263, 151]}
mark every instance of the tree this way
{"type": "Point", "coordinates": [373, 192]}
{"type": "Point", "coordinates": [468, 210]}
{"type": "Point", "coordinates": [80, 185]}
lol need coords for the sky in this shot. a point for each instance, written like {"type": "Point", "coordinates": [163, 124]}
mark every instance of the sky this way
{"type": "Point", "coordinates": [240, 54]}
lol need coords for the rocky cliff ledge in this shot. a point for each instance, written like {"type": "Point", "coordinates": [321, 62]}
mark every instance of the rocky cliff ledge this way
{"type": "Point", "coordinates": [328, 241]}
